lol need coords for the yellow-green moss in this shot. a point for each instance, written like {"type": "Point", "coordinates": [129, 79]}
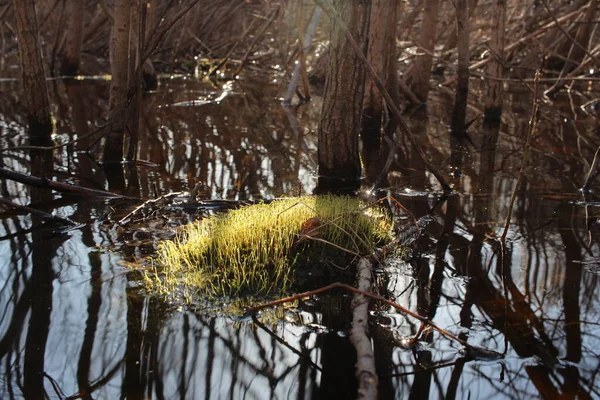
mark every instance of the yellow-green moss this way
{"type": "Point", "coordinates": [253, 250]}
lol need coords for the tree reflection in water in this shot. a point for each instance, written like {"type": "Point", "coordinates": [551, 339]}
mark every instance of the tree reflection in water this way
{"type": "Point", "coordinates": [75, 323]}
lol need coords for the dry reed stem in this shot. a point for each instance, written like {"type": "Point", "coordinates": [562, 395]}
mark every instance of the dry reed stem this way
{"type": "Point", "coordinates": [532, 128]}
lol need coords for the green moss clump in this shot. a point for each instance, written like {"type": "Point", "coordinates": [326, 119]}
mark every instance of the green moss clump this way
{"type": "Point", "coordinates": [254, 249]}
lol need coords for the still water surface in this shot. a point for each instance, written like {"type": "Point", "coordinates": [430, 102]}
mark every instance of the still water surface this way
{"type": "Point", "coordinates": [75, 322]}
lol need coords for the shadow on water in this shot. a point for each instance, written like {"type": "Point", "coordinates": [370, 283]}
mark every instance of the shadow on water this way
{"type": "Point", "coordinates": [76, 323]}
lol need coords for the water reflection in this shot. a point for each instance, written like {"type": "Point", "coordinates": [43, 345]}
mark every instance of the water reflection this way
{"type": "Point", "coordinates": [76, 325]}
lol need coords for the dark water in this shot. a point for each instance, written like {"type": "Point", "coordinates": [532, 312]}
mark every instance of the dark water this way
{"type": "Point", "coordinates": [75, 323]}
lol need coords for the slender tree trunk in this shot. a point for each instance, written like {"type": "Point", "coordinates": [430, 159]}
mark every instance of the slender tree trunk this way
{"type": "Point", "coordinates": [35, 91]}
{"type": "Point", "coordinates": [452, 39]}
{"type": "Point", "coordinates": [495, 68]}
{"type": "Point", "coordinates": [418, 78]}
{"type": "Point", "coordinates": [72, 57]}
{"type": "Point", "coordinates": [119, 65]}
{"type": "Point", "coordinates": [150, 76]}
{"type": "Point", "coordinates": [462, 86]}
{"type": "Point", "coordinates": [338, 157]}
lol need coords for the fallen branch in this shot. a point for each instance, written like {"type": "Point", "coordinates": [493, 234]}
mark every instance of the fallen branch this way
{"type": "Point", "coordinates": [475, 351]}
{"type": "Point", "coordinates": [365, 365]}
{"type": "Point", "coordinates": [148, 203]}
{"type": "Point", "coordinates": [38, 182]}
{"type": "Point", "coordinates": [38, 213]}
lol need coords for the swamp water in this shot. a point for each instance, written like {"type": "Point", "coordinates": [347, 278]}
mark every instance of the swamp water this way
{"type": "Point", "coordinates": [76, 322]}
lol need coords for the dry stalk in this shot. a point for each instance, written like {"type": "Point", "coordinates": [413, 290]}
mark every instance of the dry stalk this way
{"type": "Point", "coordinates": [532, 128]}
{"type": "Point", "coordinates": [592, 173]}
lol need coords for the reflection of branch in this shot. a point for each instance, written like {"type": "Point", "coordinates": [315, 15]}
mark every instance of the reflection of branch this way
{"type": "Point", "coordinates": [459, 361]}
{"type": "Point", "coordinates": [283, 342]}
{"type": "Point", "coordinates": [229, 344]}
{"type": "Point", "coordinates": [473, 350]}
{"type": "Point", "coordinates": [101, 129]}
{"type": "Point", "coordinates": [99, 382]}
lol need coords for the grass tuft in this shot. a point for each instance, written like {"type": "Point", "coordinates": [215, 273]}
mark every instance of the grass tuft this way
{"type": "Point", "coordinates": [254, 250]}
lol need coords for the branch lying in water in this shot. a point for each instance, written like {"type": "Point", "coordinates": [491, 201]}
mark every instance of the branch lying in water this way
{"type": "Point", "coordinates": [36, 181]}
{"type": "Point", "coordinates": [365, 368]}
{"type": "Point", "coordinates": [38, 213]}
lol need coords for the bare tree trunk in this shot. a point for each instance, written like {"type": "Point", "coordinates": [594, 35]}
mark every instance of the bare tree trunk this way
{"type": "Point", "coordinates": [338, 158]}
{"type": "Point", "coordinates": [462, 87]}
{"type": "Point", "coordinates": [418, 78]}
{"type": "Point", "coordinates": [382, 57]}
{"type": "Point", "coordinates": [35, 91]}
{"type": "Point", "coordinates": [495, 68]}
{"type": "Point", "coordinates": [119, 65]}
{"type": "Point", "coordinates": [72, 58]}
{"type": "Point", "coordinates": [150, 78]}
{"type": "Point", "coordinates": [452, 39]}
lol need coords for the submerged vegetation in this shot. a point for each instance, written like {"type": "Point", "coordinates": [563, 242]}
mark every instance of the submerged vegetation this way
{"type": "Point", "coordinates": [257, 249]}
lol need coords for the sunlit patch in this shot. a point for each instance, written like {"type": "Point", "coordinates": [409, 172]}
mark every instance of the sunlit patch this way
{"type": "Point", "coordinates": [253, 250]}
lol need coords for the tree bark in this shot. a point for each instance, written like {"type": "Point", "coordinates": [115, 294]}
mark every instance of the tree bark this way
{"type": "Point", "coordinates": [452, 39]}
{"type": "Point", "coordinates": [119, 66]}
{"type": "Point", "coordinates": [338, 158]}
{"type": "Point", "coordinates": [495, 68]}
{"type": "Point", "coordinates": [418, 79]}
{"type": "Point", "coordinates": [72, 57]}
{"type": "Point", "coordinates": [382, 57]}
{"type": "Point", "coordinates": [375, 120]}
{"type": "Point", "coordinates": [462, 86]}
{"type": "Point", "coordinates": [35, 91]}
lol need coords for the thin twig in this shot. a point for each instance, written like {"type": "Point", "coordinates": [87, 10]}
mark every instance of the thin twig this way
{"type": "Point", "coordinates": [338, 285]}
{"type": "Point", "coordinates": [592, 173]}
{"type": "Point", "coordinates": [298, 69]}
{"type": "Point", "coordinates": [58, 146]}
{"type": "Point", "coordinates": [564, 32]}
{"type": "Point", "coordinates": [532, 128]}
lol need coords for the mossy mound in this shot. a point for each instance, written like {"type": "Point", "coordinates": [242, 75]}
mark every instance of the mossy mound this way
{"type": "Point", "coordinates": [254, 250]}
